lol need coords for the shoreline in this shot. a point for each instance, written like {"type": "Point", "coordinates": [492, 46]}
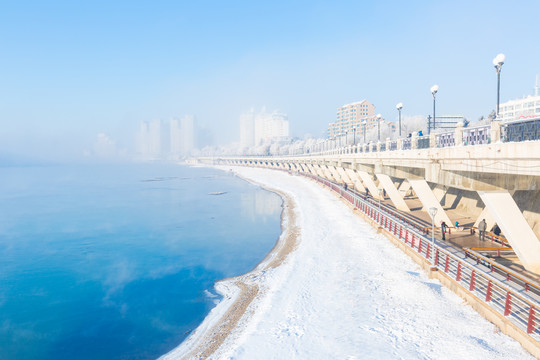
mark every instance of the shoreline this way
{"type": "Point", "coordinates": [239, 292]}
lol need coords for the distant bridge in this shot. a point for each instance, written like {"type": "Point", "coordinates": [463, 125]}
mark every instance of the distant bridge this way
{"type": "Point", "coordinates": [489, 172]}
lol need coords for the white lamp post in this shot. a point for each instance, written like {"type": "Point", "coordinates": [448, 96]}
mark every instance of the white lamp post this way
{"type": "Point", "coordinates": [432, 213]}
{"type": "Point", "coordinates": [498, 63]}
{"type": "Point", "coordinates": [364, 123]}
{"type": "Point", "coordinates": [379, 116]}
{"type": "Point", "coordinates": [434, 90]}
{"type": "Point", "coordinates": [399, 107]}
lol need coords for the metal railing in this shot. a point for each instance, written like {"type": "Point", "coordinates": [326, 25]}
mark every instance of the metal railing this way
{"type": "Point", "coordinates": [521, 130]}
{"type": "Point", "coordinates": [406, 144]}
{"type": "Point", "coordinates": [445, 139]}
{"type": "Point", "coordinates": [477, 135]}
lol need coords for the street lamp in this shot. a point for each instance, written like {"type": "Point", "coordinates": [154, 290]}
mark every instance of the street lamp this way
{"type": "Point", "coordinates": [354, 135]}
{"type": "Point", "coordinates": [379, 190]}
{"type": "Point", "coordinates": [498, 62]}
{"type": "Point", "coordinates": [379, 126]}
{"type": "Point", "coordinates": [364, 123]}
{"type": "Point", "coordinates": [433, 212]}
{"type": "Point", "coordinates": [399, 107]}
{"type": "Point", "coordinates": [434, 90]}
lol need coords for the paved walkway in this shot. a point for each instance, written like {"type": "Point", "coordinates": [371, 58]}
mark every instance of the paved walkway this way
{"type": "Point", "coordinates": [461, 238]}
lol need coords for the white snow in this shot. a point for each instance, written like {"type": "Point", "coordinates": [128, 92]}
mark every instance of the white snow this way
{"type": "Point", "coordinates": [348, 293]}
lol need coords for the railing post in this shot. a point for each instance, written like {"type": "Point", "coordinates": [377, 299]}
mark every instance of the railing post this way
{"type": "Point", "coordinates": [420, 245]}
{"type": "Point", "coordinates": [508, 304]}
{"type": "Point", "coordinates": [489, 291]}
{"type": "Point", "coordinates": [458, 135]}
{"type": "Point", "coordinates": [530, 323]}
{"type": "Point", "coordinates": [471, 286]}
{"type": "Point", "coordinates": [447, 264]}
{"type": "Point", "coordinates": [436, 257]}
{"type": "Point", "coordinates": [495, 131]}
{"type": "Point", "coordinates": [458, 275]}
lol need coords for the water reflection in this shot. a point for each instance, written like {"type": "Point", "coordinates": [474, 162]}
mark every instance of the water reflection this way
{"type": "Point", "coordinates": [257, 205]}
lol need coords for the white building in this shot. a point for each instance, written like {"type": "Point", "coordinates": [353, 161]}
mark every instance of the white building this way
{"type": "Point", "coordinates": [527, 107]}
{"type": "Point", "coordinates": [151, 139]}
{"type": "Point", "coordinates": [175, 136]}
{"type": "Point", "coordinates": [158, 140]}
{"type": "Point", "coordinates": [263, 127]}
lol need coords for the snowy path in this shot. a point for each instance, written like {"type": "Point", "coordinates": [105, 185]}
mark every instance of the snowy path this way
{"type": "Point", "coordinates": [348, 293]}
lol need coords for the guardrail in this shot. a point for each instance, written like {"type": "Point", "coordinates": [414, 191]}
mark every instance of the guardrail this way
{"type": "Point", "coordinates": [477, 278]}
{"type": "Point", "coordinates": [507, 274]}
{"type": "Point", "coordinates": [512, 131]}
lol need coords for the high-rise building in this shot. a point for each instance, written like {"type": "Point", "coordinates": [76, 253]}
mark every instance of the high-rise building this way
{"type": "Point", "coordinates": [176, 138]}
{"type": "Point", "coordinates": [256, 129]}
{"type": "Point", "coordinates": [151, 140]}
{"type": "Point", "coordinates": [158, 140]}
{"type": "Point", "coordinates": [350, 118]}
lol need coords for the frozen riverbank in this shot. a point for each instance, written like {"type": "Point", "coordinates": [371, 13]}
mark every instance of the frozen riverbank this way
{"type": "Point", "coordinates": [347, 292]}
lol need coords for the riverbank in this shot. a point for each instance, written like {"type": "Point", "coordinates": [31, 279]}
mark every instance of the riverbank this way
{"type": "Point", "coordinates": [239, 292]}
{"type": "Point", "coordinates": [347, 292]}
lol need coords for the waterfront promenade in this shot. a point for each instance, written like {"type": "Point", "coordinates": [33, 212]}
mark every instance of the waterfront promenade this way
{"type": "Point", "coordinates": [413, 189]}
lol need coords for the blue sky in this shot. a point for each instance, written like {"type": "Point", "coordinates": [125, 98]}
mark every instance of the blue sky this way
{"type": "Point", "coordinates": [71, 70]}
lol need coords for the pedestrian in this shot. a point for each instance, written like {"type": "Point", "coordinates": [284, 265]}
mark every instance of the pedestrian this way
{"type": "Point", "coordinates": [443, 230]}
{"type": "Point", "coordinates": [457, 225]}
{"type": "Point", "coordinates": [345, 186]}
{"type": "Point", "coordinates": [496, 230]}
{"type": "Point", "coordinates": [482, 230]}
{"type": "Point", "coordinates": [367, 193]}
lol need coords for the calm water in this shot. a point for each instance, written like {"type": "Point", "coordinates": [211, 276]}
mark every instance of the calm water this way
{"type": "Point", "coordinates": [118, 262]}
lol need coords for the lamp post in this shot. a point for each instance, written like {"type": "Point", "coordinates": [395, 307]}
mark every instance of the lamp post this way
{"type": "Point", "coordinates": [498, 63]}
{"type": "Point", "coordinates": [434, 90]}
{"type": "Point", "coordinates": [379, 191]}
{"type": "Point", "coordinates": [364, 123]}
{"type": "Point", "coordinates": [354, 135]}
{"type": "Point", "coordinates": [399, 107]}
{"type": "Point", "coordinates": [433, 212]}
{"type": "Point", "coordinates": [379, 127]}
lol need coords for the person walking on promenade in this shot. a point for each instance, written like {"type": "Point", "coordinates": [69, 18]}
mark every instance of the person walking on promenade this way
{"type": "Point", "coordinates": [482, 230]}
{"type": "Point", "coordinates": [345, 186]}
{"type": "Point", "coordinates": [496, 230]}
{"type": "Point", "coordinates": [443, 230]}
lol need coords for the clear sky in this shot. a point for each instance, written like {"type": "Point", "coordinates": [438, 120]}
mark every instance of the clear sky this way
{"type": "Point", "coordinates": [70, 69]}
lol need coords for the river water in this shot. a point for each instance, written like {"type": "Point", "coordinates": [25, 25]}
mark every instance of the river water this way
{"type": "Point", "coordinates": [119, 261]}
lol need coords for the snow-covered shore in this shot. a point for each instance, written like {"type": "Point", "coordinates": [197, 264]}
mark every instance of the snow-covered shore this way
{"type": "Point", "coordinates": [346, 293]}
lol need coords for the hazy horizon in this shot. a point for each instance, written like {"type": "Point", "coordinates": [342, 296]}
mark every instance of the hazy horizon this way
{"type": "Point", "coordinates": [73, 71]}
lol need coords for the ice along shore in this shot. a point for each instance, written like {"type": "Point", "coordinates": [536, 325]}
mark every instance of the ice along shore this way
{"type": "Point", "coordinates": [344, 292]}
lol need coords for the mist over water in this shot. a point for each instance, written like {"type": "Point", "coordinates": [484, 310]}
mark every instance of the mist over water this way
{"type": "Point", "coordinates": [118, 261]}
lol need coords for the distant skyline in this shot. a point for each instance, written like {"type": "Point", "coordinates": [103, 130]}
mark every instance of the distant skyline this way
{"type": "Point", "coordinates": [71, 71]}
